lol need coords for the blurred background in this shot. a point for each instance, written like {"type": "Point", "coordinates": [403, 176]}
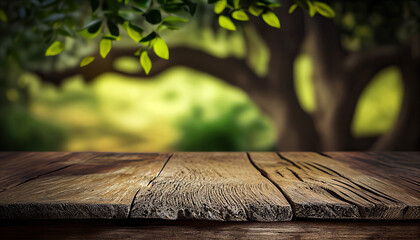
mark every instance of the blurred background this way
{"type": "Point", "coordinates": [348, 83]}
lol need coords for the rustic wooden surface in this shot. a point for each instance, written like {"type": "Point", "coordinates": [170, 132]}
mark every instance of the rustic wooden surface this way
{"type": "Point", "coordinates": [17, 168]}
{"type": "Point", "coordinates": [102, 186]}
{"type": "Point", "coordinates": [211, 186]}
{"type": "Point", "coordinates": [182, 229]}
{"type": "Point", "coordinates": [319, 186]}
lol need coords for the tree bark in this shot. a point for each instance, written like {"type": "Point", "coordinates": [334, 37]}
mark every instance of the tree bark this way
{"type": "Point", "coordinates": [295, 128]}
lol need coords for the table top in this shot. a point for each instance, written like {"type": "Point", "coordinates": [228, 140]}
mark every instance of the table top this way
{"type": "Point", "coordinates": [221, 186]}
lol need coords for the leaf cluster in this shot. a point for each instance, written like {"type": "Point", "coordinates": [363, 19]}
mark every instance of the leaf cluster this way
{"type": "Point", "coordinates": [142, 20]}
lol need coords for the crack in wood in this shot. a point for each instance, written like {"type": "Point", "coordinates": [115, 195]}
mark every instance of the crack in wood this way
{"type": "Point", "coordinates": [134, 196]}
{"type": "Point", "coordinates": [264, 174]}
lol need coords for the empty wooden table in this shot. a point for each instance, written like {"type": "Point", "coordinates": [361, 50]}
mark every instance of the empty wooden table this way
{"type": "Point", "coordinates": [280, 194]}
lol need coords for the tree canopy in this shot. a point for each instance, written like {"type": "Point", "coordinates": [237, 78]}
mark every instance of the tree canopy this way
{"type": "Point", "coordinates": [51, 21]}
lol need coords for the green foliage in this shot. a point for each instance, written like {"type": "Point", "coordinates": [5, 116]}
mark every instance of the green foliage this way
{"type": "Point", "coordinates": [240, 15]}
{"type": "Point", "coordinates": [120, 113]}
{"type": "Point", "coordinates": [86, 60]}
{"type": "Point", "coordinates": [323, 9]}
{"type": "Point", "coordinates": [161, 49]}
{"type": "Point", "coordinates": [271, 19]}
{"type": "Point", "coordinates": [226, 23]}
{"type": "Point", "coordinates": [105, 46]}
{"type": "Point", "coordinates": [145, 62]}
{"type": "Point", "coordinates": [378, 106]}
{"type": "Point", "coordinates": [237, 127]}
{"type": "Point", "coordinates": [56, 48]}
{"type": "Point", "coordinates": [55, 20]}
{"type": "Point", "coordinates": [3, 16]}
{"type": "Point", "coordinates": [219, 6]}
{"type": "Point", "coordinates": [364, 24]}
{"type": "Point", "coordinates": [20, 131]}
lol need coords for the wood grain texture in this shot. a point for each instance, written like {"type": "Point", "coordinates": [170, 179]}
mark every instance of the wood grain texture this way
{"type": "Point", "coordinates": [101, 187]}
{"type": "Point", "coordinates": [211, 186]}
{"type": "Point", "coordinates": [400, 168]}
{"type": "Point", "coordinates": [16, 168]}
{"type": "Point", "coordinates": [322, 187]}
{"type": "Point", "coordinates": [190, 229]}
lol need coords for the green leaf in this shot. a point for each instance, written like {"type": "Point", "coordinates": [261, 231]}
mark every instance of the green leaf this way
{"type": "Point", "coordinates": [55, 48]}
{"type": "Point", "coordinates": [142, 3]}
{"type": "Point", "coordinates": [3, 16]}
{"type": "Point", "coordinates": [86, 60]}
{"type": "Point", "coordinates": [240, 15]}
{"type": "Point", "coordinates": [312, 10]}
{"type": "Point", "coordinates": [226, 23]}
{"type": "Point", "coordinates": [145, 62]}
{"type": "Point", "coordinates": [133, 31]}
{"type": "Point", "coordinates": [161, 49]}
{"type": "Point", "coordinates": [302, 3]}
{"type": "Point", "coordinates": [137, 53]}
{"type": "Point", "coordinates": [154, 16]}
{"type": "Point", "coordinates": [292, 8]}
{"type": "Point", "coordinates": [113, 28]}
{"type": "Point", "coordinates": [174, 20]}
{"type": "Point", "coordinates": [94, 25]}
{"type": "Point", "coordinates": [104, 47]}
{"type": "Point", "coordinates": [254, 10]}
{"type": "Point", "coordinates": [219, 6]}
{"type": "Point", "coordinates": [86, 34]}
{"type": "Point", "coordinates": [324, 9]}
{"type": "Point", "coordinates": [274, 5]}
{"type": "Point", "coordinates": [111, 37]}
{"type": "Point", "coordinates": [236, 4]}
{"type": "Point", "coordinates": [271, 19]}
{"type": "Point", "coordinates": [149, 37]}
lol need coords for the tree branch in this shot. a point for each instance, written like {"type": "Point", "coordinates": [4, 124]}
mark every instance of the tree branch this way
{"type": "Point", "coordinates": [362, 66]}
{"type": "Point", "coordinates": [232, 70]}
{"type": "Point", "coordinates": [326, 46]}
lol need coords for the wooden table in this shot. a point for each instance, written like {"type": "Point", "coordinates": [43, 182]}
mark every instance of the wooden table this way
{"type": "Point", "coordinates": [234, 194]}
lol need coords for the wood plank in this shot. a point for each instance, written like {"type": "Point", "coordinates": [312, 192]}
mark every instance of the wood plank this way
{"type": "Point", "coordinates": [400, 168]}
{"type": "Point", "coordinates": [19, 167]}
{"type": "Point", "coordinates": [102, 187]}
{"type": "Point", "coordinates": [190, 229]}
{"type": "Point", "coordinates": [322, 187]}
{"type": "Point", "coordinates": [216, 186]}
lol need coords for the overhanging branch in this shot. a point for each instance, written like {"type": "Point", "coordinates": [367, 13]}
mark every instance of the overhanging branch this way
{"type": "Point", "coordinates": [230, 69]}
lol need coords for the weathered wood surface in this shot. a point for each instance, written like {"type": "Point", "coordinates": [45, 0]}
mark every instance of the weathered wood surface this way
{"type": "Point", "coordinates": [17, 168]}
{"type": "Point", "coordinates": [102, 186]}
{"type": "Point", "coordinates": [318, 186]}
{"type": "Point", "coordinates": [401, 168]}
{"type": "Point", "coordinates": [183, 229]}
{"type": "Point", "coordinates": [211, 186]}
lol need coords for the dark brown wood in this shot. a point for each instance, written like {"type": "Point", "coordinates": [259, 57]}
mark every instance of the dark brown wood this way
{"type": "Point", "coordinates": [16, 168]}
{"type": "Point", "coordinates": [400, 168]}
{"type": "Point", "coordinates": [322, 187]}
{"type": "Point", "coordinates": [155, 229]}
{"type": "Point", "coordinates": [101, 187]}
{"type": "Point", "coordinates": [211, 186]}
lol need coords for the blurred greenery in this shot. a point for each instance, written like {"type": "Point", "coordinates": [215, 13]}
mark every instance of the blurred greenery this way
{"type": "Point", "coordinates": [180, 109]}
{"type": "Point", "coordinates": [378, 106]}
